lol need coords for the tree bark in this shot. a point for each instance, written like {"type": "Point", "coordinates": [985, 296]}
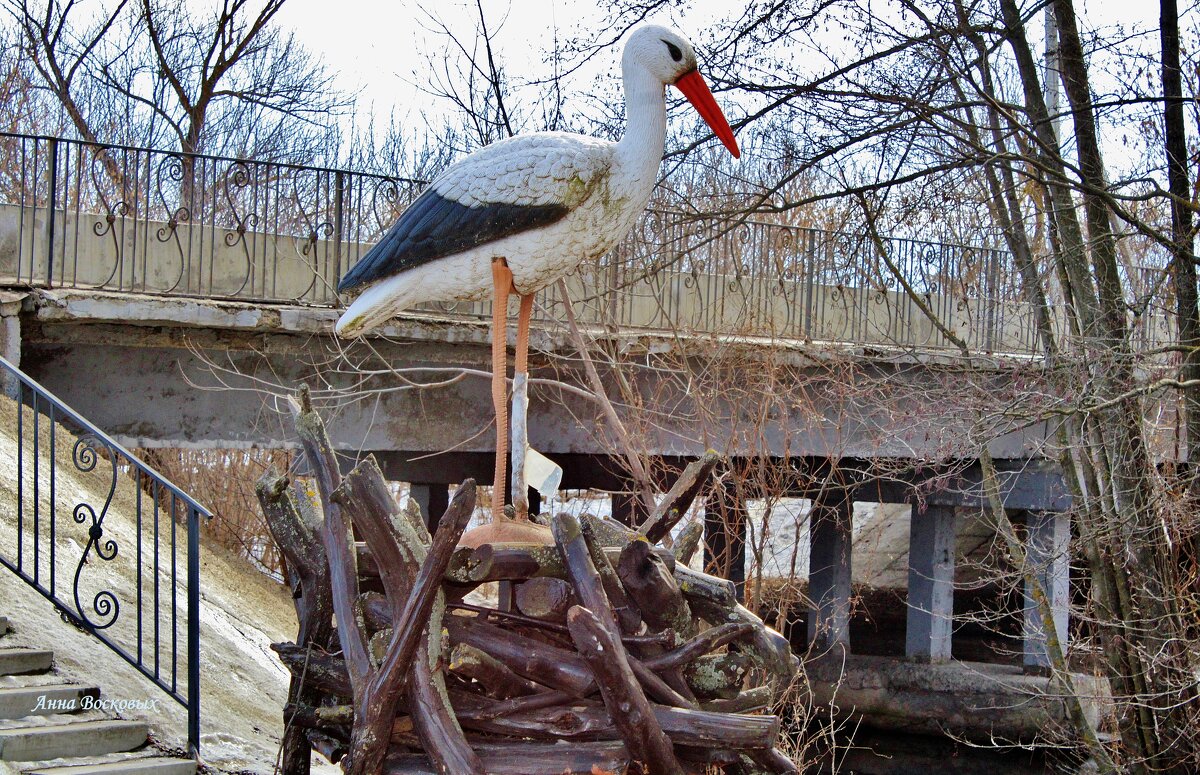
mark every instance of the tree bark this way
{"type": "Point", "coordinates": [649, 748]}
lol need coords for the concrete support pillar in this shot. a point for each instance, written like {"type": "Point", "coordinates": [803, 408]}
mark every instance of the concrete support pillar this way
{"type": "Point", "coordinates": [10, 340]}
{"type": "Point", "coordinates": [1047, 550]}
{"type": "Point", "coordinates": [725, 537]}
{"type": "Point", "coordinates": [830, 535]}
{"type": "Point", "coordinates": [433, 500]}
{"type": "Point", "coordinates": [930, 584]}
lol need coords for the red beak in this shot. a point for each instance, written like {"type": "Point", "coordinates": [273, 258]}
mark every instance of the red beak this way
{"type": "Point", "coordinates": [696, 90]}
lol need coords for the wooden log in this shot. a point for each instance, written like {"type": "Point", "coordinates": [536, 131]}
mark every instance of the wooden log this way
{"type": "Point", "coordinates": [689, 542]}
{"type": "Point", "coordinates": [310, 717]}
{"type": "Point", "coordinates": [709, 640]}
{"type": "Point", "coordinates": [296, 529]}
{"type": "Point", "coordinates": [578, 548]}
{"type": "Point", "coordinates": [629, 618]}
{"type": "Point", "coordinates": [414, 610]}
{"type": "Point", "coordinates": [525, 758]}
{"type": "Point", "coordinates": [712, 596]}
{"type": "Point", "coordinates": [486, 614]}
{"type": "Point", "coordinates": [705, 593]}
{"type": "Point", "coordinates": [574, 547]}
{"type": "Point", "coordinates": [336, 537]}
{"type": "Point", "coordinates": [411, 567]}
{"type": "Point", "coordinates": [714, 600]}
{"type": "Point", "coordinates": [490, 673]}
{"type": "Point", "coordinates": [332, 748]}
{"type": "Point", "coordinates": [718, 676]}
{"type": "Point", "coordinates": [546, 699]}
{"type": "Point", "coordinates": [773, 760]}
{"type": "Point", "coordinates": [659, 688]}
{"type": "Point", "coordinates": [652, 587]}
{"type": "Point", "coordinates": [679, 498]}
{"type": "Point", "coordinates": [610, 533]}
{"type": "Point", "coordinates": [376, 611]}
{"type": "Point", "coordinates": [769, 649]}
{"type": "Point", "coordinates": [712, 757]}
{"type": "Point", "coordinates": [649, 748]}
{"type": "Point", "coordinates": [544, 598]}
{"type": "Point", "coordinates": [539, 662]}
{"type": "Point", "coordinates": [582, 572]}
{"type": "Point", "coordinates": [462, 563]}
{"type": "Point", "coordinates": [579, 720]}
{"type": "Point", "coordinates": [749, 701]}
{"type": "Point", "coordinates": [519, 562]}
{"type": "Point", "coordinates": [433, 717]}
{"type": "Point", "coordinates": [325, 672]}
{"type": "Point", "coordinates": [717, 593]}
{"type": "Point", "coordinates": [465, 562]}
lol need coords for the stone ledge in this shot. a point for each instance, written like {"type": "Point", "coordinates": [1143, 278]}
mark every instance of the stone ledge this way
{"type": "Point", "coordinates": [84, 306]}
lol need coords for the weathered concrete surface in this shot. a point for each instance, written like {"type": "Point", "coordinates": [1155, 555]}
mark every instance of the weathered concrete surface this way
{"type": "Point", "coordinates": [85, 738]}
{"type": "Point", "coordinates": [984, 702]}
{"type": "Point", "coordinates": [22, 661]}
{"type": "Point", "coordinates": [22, 701]}
{"type": "Point", "coordinates": [137, 253]}
{"type": "Point", "coordinates": [143, 766]}
{"type": "Point", "coordinates": [931, 559]}
{"type": "Point", "coordinates": [157, 357]}
{"type": "Point", "coordinates": [10, 337]}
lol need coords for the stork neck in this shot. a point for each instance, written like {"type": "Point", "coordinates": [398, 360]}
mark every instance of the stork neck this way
{"type": "Point", "coordinates": [641, 149]}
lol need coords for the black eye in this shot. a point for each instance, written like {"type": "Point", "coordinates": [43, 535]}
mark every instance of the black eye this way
{"type": "Point", "coordinates": [676, 54]}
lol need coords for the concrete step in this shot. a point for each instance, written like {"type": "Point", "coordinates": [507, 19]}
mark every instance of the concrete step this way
{"type": "Point", "coordinates": [19, 702]}
{"type": "Point", "coordinates": [68, 741]}
{"type": "Point", "coordinates": [18, 661]}
{"type": "Point", "coordinates": [150, 766]}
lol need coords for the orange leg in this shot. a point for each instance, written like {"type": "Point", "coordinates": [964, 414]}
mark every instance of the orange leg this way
{"type": "Point", "coordinates": [520, 437]}
{"type": "Point", "coordinates": [521, 361]}
{"type": "Point", "coordinates": [502, 283]}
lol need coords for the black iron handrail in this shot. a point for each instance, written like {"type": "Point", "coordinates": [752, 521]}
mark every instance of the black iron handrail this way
{"type": "Point", "coordinates": [56, 451]}
{"type": "Point", "coordinates": [163, 222]}
{"type": "Point", "coordinates": [85, 215]}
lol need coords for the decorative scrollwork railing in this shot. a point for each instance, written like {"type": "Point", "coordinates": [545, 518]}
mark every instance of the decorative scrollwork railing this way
{"type": "Point", "coordinates": [105, 538]}
{"type": "Point", "coordinates": [81, 215]}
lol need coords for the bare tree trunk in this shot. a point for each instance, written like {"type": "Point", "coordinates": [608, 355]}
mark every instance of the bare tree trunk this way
{"type": "Point", "coordinates": [1183, 259]}
{"type": "Point", "coordinates": [1130, 471]}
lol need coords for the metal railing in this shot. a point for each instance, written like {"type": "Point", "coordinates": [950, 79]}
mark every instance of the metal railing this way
{"type": "Point", "coordinates": [117, 568]}
{"type": "Point", "coordinates": [131, 219]}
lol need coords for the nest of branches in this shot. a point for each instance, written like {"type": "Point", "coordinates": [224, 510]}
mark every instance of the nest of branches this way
{"type": "Point", "coordinates": [606, 653]}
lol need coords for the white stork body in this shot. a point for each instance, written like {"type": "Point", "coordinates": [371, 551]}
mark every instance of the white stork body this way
{"type": "Point", "coordinates": [601, 186]}
{"type": "Point", "coordinates": [521, 213]}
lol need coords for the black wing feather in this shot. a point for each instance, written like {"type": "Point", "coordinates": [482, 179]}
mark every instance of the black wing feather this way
{"type": "Point", "coordinates": [434, 226]}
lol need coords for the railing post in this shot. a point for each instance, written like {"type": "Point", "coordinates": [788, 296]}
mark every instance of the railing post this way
{"type": "Point", "coordinates": [992, 297]}
{"type": "Point", "coordinates": [193, 631]}
{"type": "Point", "coordinates": [339, 223]}
{"type": "Point", "coordinates": [51, 206]}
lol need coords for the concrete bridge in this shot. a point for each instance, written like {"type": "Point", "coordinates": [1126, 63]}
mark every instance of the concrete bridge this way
{"type": "Point", "coordinates": [179, 315]}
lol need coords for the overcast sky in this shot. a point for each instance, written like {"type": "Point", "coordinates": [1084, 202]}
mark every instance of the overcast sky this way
{"type": "Point", "coordinates": [382, 49]}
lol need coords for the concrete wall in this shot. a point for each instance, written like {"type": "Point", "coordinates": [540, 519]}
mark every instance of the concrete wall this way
{"type": "Point", "coordinates": [141, 255]}
{"type": "Point", "coordinates": [139, 367]}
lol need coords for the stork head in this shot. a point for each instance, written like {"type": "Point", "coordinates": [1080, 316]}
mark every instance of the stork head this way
{"type": "Point", "coordinates": [668, 56]}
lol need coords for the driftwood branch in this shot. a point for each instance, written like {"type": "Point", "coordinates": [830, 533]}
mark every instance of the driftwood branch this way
{"type": "Point", "coordinates": [649, 747]}
{"type": "Point", "coordinates": [296, 530]}
{"type": "Point", "coordinates": [679, 498]}
{"type": "Point", "coordinates": [335, 535]}
{"type": "Point", "coordinates": [603, 651]}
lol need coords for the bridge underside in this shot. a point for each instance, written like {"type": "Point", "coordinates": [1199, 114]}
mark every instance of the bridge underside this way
{"type": "Point", "coordinates": [792, 419]}
{"type": "Point", "coordinates": [159, 372]}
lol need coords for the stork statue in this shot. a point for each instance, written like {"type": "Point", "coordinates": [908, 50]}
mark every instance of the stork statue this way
{"type": "Point", "coordinates": [517, 215]}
